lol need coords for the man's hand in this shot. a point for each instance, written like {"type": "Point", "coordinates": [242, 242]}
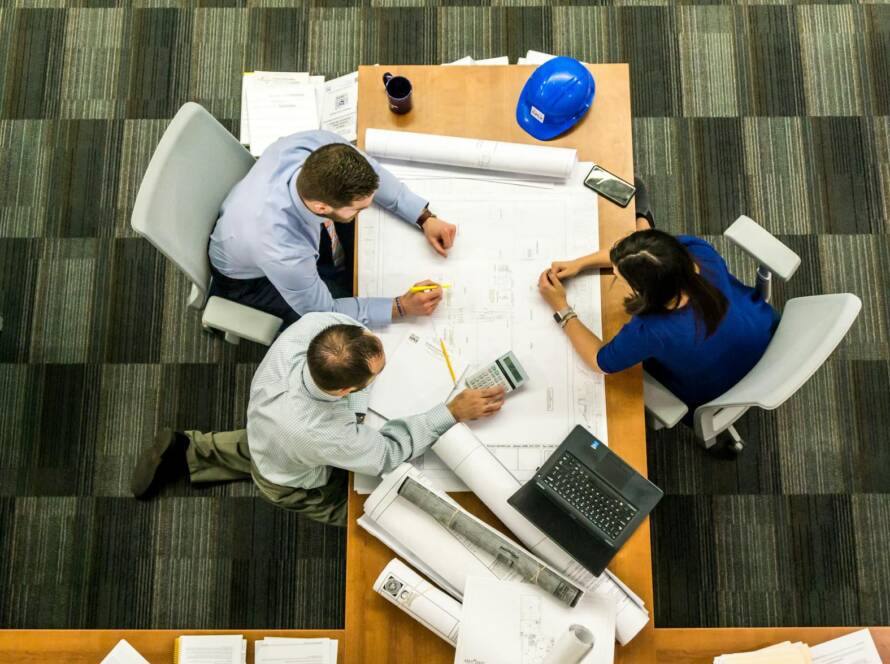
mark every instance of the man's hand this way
{"type": "Point", "coordinates": [565, 269]}
{"type": "Point", "coordinates": [473, 404]}
{"type": "Point", "coordinates": [424, 303]}
{"type": "Point", "coordinates": [440, 234]}
{"type": "Point", "coordinates": [552, 290]}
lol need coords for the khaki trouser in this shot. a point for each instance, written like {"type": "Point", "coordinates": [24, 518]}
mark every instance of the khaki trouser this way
{"type": "Point", "coordinates": [223, 456]}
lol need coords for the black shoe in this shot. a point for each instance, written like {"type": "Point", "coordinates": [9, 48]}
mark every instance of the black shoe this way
{"type": "Point", "coordinates": [641, 202]}
{"type": "Point", "coordinates": [729, 450]}
{"type": "Point", "coordinates": [162, 462]}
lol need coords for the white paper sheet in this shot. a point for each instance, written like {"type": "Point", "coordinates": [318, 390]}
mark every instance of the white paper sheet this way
{"type": "Point", "coordinates": [247, 81]}
{"type": "Point", "coordinates": [414, 380]}
{"type": "Point", "coordinates": [339, 107]}
{"type": "Point", "coordinates": [537, 160]}
{"type": "Point", "coordinates": [854, 648]}
{"type": "Point", "coordinates": [511, 623]}
{"type": "Point", "coordinates": [506, 236]}
{"type": "Point", "coordinates": [466, 60]}
{"type": "Point", "coordinates": [124, 653]}
{"type": "Point", "coordinates": [537, 57]}
{"type": "Point", "coordinates": [500, 60]}
{"type": "Point", "coordinates": [295, 651]}
{"type": "Point", "coordinates": [279, 106]}
{"type": "Point", "coordinates": [212, 649]}
{"type": "Point", "coordinates": [402, 586]}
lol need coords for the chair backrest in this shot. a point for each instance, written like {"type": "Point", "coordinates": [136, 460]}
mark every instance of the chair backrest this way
{"type": "Point", "coordinates": [194, 167]}
{"type": "Point", "coordinates": [810, 329]}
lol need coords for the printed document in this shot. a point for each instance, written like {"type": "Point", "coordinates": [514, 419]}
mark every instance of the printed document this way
{"type": "Point", "coordinates": [854, 648]}
{"type": "Point", "coordinates": [339, 106]}
{"type": "Point", "coordinates": [507, 235]}
{"type": "Point", "coordinates": [506, 622]}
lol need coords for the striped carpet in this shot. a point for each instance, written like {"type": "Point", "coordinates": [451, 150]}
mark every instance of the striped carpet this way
{"type": "Point", "coordinates": [778, 110]}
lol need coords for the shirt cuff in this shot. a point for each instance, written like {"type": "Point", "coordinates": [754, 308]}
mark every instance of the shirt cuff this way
{"type": "Point", "coordinates": [412, 206]}
{"type": "Point", "coordinates": [602, 362]}
{"type": "Point", "coordinates": [440, 419]}
{"type": "Point", "coordinates": [379, 311]}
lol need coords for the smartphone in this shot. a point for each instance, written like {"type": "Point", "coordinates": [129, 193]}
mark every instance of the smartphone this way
{"type": "Point", "coordinates": [610, 186]}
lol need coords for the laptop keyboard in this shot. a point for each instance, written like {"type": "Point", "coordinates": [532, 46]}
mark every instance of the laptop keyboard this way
{"type": "Point", "coordinates": [580, 488]}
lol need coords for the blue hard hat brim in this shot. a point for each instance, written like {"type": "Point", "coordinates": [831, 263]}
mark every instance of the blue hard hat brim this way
{"type": "Point", "coordinates": [541, 131]}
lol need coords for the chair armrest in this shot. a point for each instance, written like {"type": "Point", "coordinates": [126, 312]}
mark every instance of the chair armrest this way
{"type": "Point", "coordinates": [661, 402]}
{"type": "Point", "coordinates": [241, 321]}
{"type": "Point", "coordinates": [759, 243]}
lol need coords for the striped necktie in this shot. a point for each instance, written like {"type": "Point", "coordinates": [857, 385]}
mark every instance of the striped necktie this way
{"type": "Point", "coordinates": [337, 253]}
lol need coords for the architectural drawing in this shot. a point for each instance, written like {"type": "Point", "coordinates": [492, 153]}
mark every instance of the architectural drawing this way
{"type": "Point", "coordinates": [507, 235]}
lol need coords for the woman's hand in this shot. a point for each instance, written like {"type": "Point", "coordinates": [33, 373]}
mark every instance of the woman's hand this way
{"type": "Point", "coordinates": [566, 269]}
{"type": "Point", "coordinates": [552, 290]}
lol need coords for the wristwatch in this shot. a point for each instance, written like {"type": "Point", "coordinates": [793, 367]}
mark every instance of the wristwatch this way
{"type": "Point", "coordinates": [426, 214]}
{"type": "Point", "coordinates": [563, 316]}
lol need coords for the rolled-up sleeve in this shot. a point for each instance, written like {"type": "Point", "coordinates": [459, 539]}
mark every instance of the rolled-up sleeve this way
{"type": "Point", "coordinates": [297, 280]}
{"type": "Point", "coordinates": [364, 449]}
{"type": "Point", "coordinates": [630, 346]}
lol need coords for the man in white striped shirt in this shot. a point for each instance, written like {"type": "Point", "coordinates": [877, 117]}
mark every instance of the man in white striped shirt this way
{"type": "Point", "coordinates": [305, 425]}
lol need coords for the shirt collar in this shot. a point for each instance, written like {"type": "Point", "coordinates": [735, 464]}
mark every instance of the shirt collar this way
{"type": "Point", "coordinates": [314, 390]}
{"type": "Point", "coordinates": [300, 208]}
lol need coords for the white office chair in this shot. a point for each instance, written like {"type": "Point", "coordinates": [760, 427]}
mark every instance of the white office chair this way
{"type": "Point", "coordinates": [194, 167]}
{"type": "Point", "coordinates": [809, 330]}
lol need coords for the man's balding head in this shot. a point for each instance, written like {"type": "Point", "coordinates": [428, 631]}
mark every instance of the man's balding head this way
{"type": "Point", "coordinates": [344, 357]}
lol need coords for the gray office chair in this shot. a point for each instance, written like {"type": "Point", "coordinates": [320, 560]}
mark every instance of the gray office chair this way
{"type": "Point", "coordinates": [809, 330]}
{"type": "Point", "coordinates": [195, 165]}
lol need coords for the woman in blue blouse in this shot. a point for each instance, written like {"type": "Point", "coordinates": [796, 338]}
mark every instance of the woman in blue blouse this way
{"type": "Point", "coordinates": [694, 326]}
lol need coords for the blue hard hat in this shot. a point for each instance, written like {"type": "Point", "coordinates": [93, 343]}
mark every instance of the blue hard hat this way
{"type": "Point", "coordinates": [554, 98]}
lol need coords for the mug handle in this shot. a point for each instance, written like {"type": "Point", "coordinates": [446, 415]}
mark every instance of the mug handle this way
{"type": "Point", "coordinates": [386, 78]}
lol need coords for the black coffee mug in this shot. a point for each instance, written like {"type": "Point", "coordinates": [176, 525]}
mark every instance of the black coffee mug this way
{"type": "Point", "coordinates": [398, 90]}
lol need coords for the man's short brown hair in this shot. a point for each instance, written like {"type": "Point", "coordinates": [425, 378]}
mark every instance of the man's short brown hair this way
{"type": "Point", "coordinates": [336, 174]}
{"type": "Point", "coordinates": [339, 357]}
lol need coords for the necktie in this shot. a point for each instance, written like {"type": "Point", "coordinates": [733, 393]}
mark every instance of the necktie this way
{"type": "Point", "coordinates": [337, 253]}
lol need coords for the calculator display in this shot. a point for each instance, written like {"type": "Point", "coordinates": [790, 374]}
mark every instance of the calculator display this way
{"type": "Point", "coordinates": [517, 377]}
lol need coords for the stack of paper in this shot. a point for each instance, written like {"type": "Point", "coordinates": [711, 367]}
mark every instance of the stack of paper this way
{"type": "Point", "coordinates": [781, 653]}
{"type": "Point", "coordinates": [282, 650]}
{"type": "Point", "coordinates": [854, 648]}
{"type": "Point", "coordinates": [468, 60]}
{"type": "Point", "coordinates": [211, 649]}
{"type": "Point", "coordinates": [124, 653]}
{"type": "Point", "coordinates": [277, 104]}
{"type": "Point", "coordinates": [534, 58]}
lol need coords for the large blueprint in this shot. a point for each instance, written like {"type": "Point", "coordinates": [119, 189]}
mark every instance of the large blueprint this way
{"type": "Point", "coordinates": [508, 233]}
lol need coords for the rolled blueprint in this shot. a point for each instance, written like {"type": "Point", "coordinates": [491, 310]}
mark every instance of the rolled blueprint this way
{"type": "Point", "coordinates": [487, 477]}
{"type": "Point", "coordinates": [571, 647]}
{"type": "Point", "coordinates": [428, 605]}
{"type": "Point", "coordinates": [538, 160]}
{"type": "Point", "coordinates": [505, 552]}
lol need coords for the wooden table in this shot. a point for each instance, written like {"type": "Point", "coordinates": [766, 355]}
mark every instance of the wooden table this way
{"type": "Point", "coordinates": [480, 102]}
{"type": "Point", "coordinates": [475, 102]}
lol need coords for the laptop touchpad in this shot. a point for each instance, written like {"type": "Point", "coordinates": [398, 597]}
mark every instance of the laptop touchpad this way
{"type": "Point", "coordinates": [615, 471]}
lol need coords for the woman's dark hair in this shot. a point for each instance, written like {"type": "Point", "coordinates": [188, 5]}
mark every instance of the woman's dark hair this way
{"type": "Point", "coordinates": [340, 357]}
{"type": "Point", "coordinates": [659, 269]}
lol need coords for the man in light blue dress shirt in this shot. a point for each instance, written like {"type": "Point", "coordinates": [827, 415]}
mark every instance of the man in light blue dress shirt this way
{"type": "Point", "coordinates": [283, 240]}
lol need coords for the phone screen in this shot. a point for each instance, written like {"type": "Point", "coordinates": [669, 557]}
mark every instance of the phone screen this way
{"type": "Point", "coordinates": [609, 185]}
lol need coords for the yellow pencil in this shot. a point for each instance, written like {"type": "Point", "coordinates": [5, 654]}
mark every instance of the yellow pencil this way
{"type": "Point", "coordinates": [422, 289]}
{"type": "Point", "coordinates": [448, 361]}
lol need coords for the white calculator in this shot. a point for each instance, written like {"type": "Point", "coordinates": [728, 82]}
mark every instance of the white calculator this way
{"type": "Point", "coordinates": [504, 372]}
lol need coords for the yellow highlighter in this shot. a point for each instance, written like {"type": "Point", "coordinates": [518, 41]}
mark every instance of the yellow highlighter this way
{"type": "Point", "coordinates": [423, 289]}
